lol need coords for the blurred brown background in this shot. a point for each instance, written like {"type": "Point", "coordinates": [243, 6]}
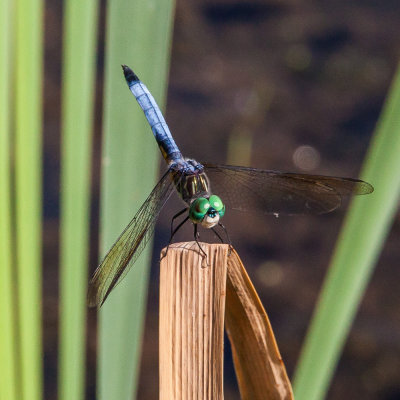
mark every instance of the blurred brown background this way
{"type": "Point", "coordinates": [292, 86]}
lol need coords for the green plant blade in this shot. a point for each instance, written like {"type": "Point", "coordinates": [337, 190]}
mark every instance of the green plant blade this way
{"type": "Point", "coordinates": [79, 72]}
{"type": "Point", "coordinates": [357, 250]}
{"type": "Point", "coordinates": [138, 34]}
{"type": "Point", "coordinates": [8, 355]}
{"type": "Point", "coordinates": [28, 154]}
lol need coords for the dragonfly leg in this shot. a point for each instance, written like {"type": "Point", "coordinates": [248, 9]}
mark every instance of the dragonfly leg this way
{"type": "Point", "coordinates": [226, 232]}
{"type": "Point", "coordinates": [227, 236]}
{"type": "Point", "coordinates": [218, 235]}
{"type": "Point", "coordinates": [173, 231]}
{"type": "Point", "coordinates": [177, 229]}
{"type": "Point", "coordinates": [172, 222]}
{"type": "Point", "coordinates": [196, 238]}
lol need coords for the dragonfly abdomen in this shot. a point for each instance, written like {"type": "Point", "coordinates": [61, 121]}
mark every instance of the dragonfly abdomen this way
{"type": "Point", "coordinates": [166, 143]}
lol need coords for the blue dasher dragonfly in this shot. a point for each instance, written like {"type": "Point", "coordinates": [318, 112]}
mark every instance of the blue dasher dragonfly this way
{"type": "Point", "coordinates": [242, 188]}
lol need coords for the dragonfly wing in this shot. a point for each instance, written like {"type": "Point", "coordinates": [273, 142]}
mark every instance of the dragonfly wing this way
{"type": "Point", "coordinates": [273, 192]}
{"type": "Point", "coordinates": [129, 245]}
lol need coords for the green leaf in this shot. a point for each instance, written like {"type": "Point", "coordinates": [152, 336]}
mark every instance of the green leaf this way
{"type": "Point", "coordinates": [79, 73]}
{"type": "Point", "coordinates": [28, 186]}
{"type": "Point", "coordinates": [359, 245]}
{"type": "Point", "coordinates": [137, 34]}
{"type": "Point", "coordinates": [8, 354]}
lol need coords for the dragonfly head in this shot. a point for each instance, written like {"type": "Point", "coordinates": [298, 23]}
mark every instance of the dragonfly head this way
{"type": "Point", "coordinates": [207, 212]}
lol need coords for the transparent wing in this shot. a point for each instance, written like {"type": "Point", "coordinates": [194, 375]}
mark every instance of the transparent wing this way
{"type": "Point", "coordinates": [273, 192]}
{"type": "Point", "coordinates": [129, 245]}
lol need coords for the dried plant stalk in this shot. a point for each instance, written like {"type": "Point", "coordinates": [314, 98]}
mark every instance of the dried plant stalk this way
{"type": "Point", "coordinates": [258, 364]}
{"type": "Point", "coordinates": [192, 307]}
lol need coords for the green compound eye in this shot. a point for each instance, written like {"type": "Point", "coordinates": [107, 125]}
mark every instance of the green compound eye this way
{"type": "Point", "coordinates": [198, 209]}
{"type": "Point", "coordinates": [217, 204]}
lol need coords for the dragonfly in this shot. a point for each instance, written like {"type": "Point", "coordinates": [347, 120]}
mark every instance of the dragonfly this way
{"type": "Point", "coordinates": [241, 188]}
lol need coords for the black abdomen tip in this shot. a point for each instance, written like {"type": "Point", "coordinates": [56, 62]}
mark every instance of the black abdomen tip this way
{"type": "Point", "coordinates": [130, 76]}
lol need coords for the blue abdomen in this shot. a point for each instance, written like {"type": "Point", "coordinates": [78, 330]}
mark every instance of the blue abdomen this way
{"type": "Point", "coordinates": [153, 114]}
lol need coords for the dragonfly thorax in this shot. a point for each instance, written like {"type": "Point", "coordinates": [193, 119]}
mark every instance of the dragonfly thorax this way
{"type": "Point", "coordinates": [186, 165]}
{"type": "Point", "coordinates": [190, 180]}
